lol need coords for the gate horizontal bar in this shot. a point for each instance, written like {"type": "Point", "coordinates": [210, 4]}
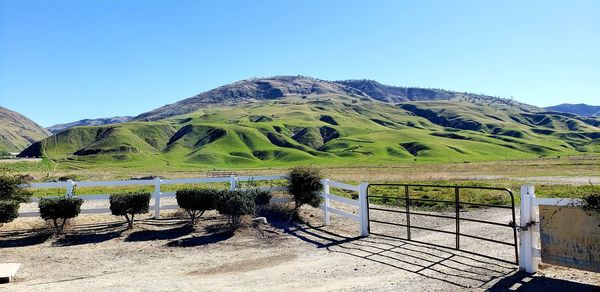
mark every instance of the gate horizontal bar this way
{"type": "Point", "coordinates": [412, 226]}
{"type": "Point", "coordinates": [487, 239]}
{"type": "Point", "coordinates": [447, 247]}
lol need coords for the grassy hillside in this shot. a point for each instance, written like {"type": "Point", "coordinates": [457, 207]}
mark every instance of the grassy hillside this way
{"type": "Point", "coordinates": [17, 131]}
{"type": "Point", "coordinates": [325, 129]}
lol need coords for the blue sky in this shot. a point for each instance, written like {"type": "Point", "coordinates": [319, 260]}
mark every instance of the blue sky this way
{"type": "Point", "coordinates": [66, 60]}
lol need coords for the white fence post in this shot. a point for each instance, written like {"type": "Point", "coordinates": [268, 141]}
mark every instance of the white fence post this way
{"type": "Point", "coordinates": [157, 194]}
{"type": "Point", "coordinates": [232, 182]}
{"type": "Point", "coordinates": [527, 258]}
{"type": "Point", "coordinates": [70, 185]}
{"type": "Point", "coordinates": [326, 215]}
{"type": "Point", "coordinates": [364, 207]}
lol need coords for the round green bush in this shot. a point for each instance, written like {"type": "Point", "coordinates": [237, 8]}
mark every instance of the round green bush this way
{"type": "Point", "coordinates": [261, 197]}
{"type": "Point", "coordinates": [235, 204]}
{"type": "Point", "coordinates": [196, 201]}
{"type": "Point", "coordinates": [9, 211]}
{"type": "Point", "coordinates": [129, 204]}
{"type": "Point", "coordinates": [304, 184]}
{"type": "Point", "coordinates": [59, 210]}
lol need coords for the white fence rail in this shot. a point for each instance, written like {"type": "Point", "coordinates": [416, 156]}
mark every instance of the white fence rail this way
{"type": "Point", "coordinates": [233, 182]}
{"type": "Point", "coordinates": [530, 252]}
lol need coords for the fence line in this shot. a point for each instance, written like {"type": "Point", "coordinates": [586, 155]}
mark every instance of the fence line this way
{"type": "Point", "coordinates": [233, 182]}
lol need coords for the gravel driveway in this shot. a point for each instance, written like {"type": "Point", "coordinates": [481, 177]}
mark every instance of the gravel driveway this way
{"type": "Point", "coordinates": [99, 254]}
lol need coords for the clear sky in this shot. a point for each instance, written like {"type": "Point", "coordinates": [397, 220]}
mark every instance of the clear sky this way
{"type": "Point", "coordinates": [62, 61]}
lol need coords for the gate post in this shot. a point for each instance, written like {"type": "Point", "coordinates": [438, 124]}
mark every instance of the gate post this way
{"type": "Point", "coordinates": [364, 208]}
{"type": "Point", "coordinates": [326, 216]}
{"type": "Point", "coordinates": [528, 239]}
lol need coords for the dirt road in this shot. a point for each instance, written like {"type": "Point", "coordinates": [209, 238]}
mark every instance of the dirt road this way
{"type": "Point", "coordinates": [166, 255]}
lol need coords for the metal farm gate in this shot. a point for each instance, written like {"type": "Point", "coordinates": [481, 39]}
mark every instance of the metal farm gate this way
{"type": "Point", "coordinates": [400, 200]}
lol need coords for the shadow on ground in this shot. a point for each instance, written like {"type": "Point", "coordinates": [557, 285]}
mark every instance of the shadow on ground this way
{"type": "Point", "coordinates": [522, 281]}
{"type": "Point", "coordinates": [458, 269]}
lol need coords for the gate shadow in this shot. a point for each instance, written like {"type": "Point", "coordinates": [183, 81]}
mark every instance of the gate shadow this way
{"type": "Point", "coordinates": [453, 267]}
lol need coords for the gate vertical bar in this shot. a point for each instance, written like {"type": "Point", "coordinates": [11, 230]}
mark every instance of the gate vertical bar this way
{"type": "Point", "coordinates": [407, 202]}
{"type": "Point", "coordinates": [514, 227]}
{"type": "Point", "coordinates": [457, 205]}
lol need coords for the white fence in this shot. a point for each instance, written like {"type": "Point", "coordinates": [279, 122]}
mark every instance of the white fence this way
{"type": "Point", "coordinates": [233, 182]}
{"type": "Point", "coordinates": [530, 252]}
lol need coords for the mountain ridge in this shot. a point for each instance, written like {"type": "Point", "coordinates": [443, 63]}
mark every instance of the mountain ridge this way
{"type": "Point", "coordinates": [17, 131]}
{"type": "Point", "coordinates": [581, 109]}
{"type": "Point", "coordinates": [278, 87]}
{"type": "Point", "coordinates": [89, 122]}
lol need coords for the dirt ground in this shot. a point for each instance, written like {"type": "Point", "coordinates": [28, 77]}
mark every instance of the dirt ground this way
{"type": "Point", "coordinates": [98, 253]}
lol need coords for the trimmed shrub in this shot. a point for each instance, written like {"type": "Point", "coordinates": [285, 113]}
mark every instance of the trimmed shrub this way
{"type": "Point", "coordinates": [129, 204]}
{"type": "Point", "coordinates": [10, 190]}
{"type": "Point", "coordinates": [261, 197]}
{"type": "Point", "coordinates": [304, 184]}
{"type": "Point", "coordinates": [9, 211]}
{"type": "Point", "coordinates": [196, 201]}
{"type": "Point", "coordinates": [235, 204]}
{"type": "Point", "coordinates": [59, 210]}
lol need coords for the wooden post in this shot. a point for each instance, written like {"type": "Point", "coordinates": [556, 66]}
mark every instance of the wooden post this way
{"type": "Point", "coordinates": [326, 215]}
{"type": "Point", "coordinates": [157, 194]}
{"type": "Point", "coordinates": [364, 209]}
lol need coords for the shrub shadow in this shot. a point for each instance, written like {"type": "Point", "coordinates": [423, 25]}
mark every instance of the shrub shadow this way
{"type": "Point", "coordinates": [201, 240]}
{"type": "Point", "coordinates": [173, 233]}
{"type": "Point", "coordinates": [22, 239]}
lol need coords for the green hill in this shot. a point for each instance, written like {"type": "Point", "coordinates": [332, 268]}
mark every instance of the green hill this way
{"type": "Point", "coordinates": [17, 131]}
{"type": "Point", "coordinates": [346, 127]}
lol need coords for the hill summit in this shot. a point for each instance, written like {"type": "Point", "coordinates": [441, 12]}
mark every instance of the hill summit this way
{"type": "Point", "coordinates": [279, 87]}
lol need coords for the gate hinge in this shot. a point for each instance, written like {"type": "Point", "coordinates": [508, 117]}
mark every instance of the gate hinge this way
{"type": "Point", "coordinates": [522, 228]}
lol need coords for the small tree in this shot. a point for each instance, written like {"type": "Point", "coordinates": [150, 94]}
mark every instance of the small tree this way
{"type": "Point", "coordinates": [129, 204]}
{"type": "Point", "coordinates": [235, 204]}
{"type": "Point", "coordinates": [59, 210]}
{"type": "Point", "coordinates": [9, 211]}
{"type": "Point", "coordinates": [196, 201]}
{"type": "Point", "coordinates": [304, 184]}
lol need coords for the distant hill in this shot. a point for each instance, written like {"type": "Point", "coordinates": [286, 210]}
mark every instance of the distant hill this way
{"type": "Point", "coordinates": [581, 109]}
{"type": "Point", "coordinates": [89, 122]}
{"type": "Point", "coordinates": [282, 121]}
{"type": "Point", "coordinates": [17, 131]}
